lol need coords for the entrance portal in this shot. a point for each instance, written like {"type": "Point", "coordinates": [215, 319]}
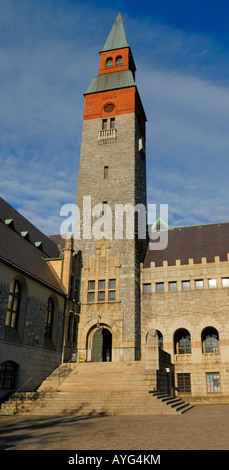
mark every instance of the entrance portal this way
{"type": "Point", "coordinates": [102, 345]}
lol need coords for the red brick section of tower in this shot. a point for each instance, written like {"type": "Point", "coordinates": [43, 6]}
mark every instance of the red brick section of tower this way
{"type": "Point", "coordinates": [114, 84]}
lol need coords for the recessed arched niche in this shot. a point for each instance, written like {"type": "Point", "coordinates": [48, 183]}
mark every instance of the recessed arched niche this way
{"type": "Point", "coordinates": [109, 108]}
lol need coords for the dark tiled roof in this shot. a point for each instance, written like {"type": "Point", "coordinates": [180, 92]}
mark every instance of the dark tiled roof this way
{"type": "Point", "coordinates": [58, 240]}
{"type": "Point", "coordinates": [203, 241]}
{"type": "Point", "coordinates": [49, 248]}
{"type": "Point", "coordinates": [22, 253]}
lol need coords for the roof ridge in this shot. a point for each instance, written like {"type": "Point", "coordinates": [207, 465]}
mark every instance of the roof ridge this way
{"type": "Point", "coordinates": [201, 225]}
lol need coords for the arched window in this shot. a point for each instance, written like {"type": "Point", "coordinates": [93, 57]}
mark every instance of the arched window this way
{"type": "Point", "coordinates": [119, 60]}
{"type": "Point", "coordinates": [160, 339]}
{"type": "Point", "coordinates": [49, 318]}
{"type": "Point", "coordinates": [182, 342]}
{"type": "Point", "coordinates": [109, 62]}
{"type": "Point", "coordinates": [13, 307]}
{"type": "Point", "coordinates": [8, 375]}
{"type": "Point", "coordinates": [210, 340]}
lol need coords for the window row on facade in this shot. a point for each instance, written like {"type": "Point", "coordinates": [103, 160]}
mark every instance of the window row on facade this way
{"type": "Point", "coordinates": [186, 285]}
{"type": "Point", "coordinates": [117, 60]}
{"type": "Point", "coordinates": [13, 309]}
{"type": "Point", "coordinates": [101, 290]}
{"type": "Point", "coordinates": [182, 341]}
{"type": "Point", "coordinates": [212, 382]}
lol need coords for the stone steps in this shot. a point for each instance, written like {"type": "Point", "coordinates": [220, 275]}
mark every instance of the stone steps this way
{"type": "Point", "coordinates": [96, 388]}
{"type": "Point", "coordinates": [90, 378]}
{"type": "Point", "coordinates": [173, 402]}
{"type": "Point", "coordinates": [105, 376]}
{"type": "Point", "coordinates": [110, 403]}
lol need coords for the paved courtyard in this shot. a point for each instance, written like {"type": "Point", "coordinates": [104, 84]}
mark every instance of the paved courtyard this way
{"type": "Point", "coordinates": [202, 428]}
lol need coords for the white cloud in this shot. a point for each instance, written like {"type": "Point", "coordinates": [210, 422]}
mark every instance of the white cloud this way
{"type": "Point", "coordinates": [188, 147]}
{"type": "Point", "coordinates": [48, 55]}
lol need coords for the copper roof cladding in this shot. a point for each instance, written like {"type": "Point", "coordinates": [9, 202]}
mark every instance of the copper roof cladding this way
{"type": "Point", "coordinates": [117, 37]}
{"type": "Point", "coordinates": [21, 253]}
{"type": "Point", "coordinates": [113, 81]}
{"type": "Point", "coordinates": [196, 242]}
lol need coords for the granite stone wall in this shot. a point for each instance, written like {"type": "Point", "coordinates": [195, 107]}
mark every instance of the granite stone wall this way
{"type": "Point", "coordinates": [125, 184]}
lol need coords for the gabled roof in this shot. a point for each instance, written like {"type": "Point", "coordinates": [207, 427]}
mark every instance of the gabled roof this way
{"type": "Point", "coordinates": [196, 242]}
{"type": "Point", "coordinates": [23, 253]}
{"type": "Point", "coordinates": [160, 225]}
{"type": "Point", "coordinates": [117, 38]}
{"type": "Point", "coordinates": [12, 218]}
{"type": "Point", "coordinates": [58, 240]}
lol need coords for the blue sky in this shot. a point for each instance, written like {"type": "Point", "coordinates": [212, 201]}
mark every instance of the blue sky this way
{"type": "Point", "coordinates": [49, 52]}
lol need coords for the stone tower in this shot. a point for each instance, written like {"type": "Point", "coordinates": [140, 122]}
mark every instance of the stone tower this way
{"type": "Point", "coordinates": [112, 182]}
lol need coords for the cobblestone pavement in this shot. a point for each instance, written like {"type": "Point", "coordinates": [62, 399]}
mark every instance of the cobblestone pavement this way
{"type": "Point", "coordinates": [202, 428]}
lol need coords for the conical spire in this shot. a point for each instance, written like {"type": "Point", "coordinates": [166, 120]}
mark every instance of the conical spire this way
{"type": "Point", "coordinates": [117, 37]}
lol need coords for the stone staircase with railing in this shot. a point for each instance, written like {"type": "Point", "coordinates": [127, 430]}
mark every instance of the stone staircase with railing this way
{"type": "Point", "coordinates": [110, 388]}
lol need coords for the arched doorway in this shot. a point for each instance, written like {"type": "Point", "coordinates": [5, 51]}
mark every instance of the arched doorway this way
{"type": "Point", "coordinates": [101, 345]}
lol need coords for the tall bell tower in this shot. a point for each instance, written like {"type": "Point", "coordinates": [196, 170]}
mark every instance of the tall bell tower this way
{"type": "Point", "coordinates": [112, 182]}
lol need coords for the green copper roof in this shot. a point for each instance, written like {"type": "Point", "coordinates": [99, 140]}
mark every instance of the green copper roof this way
{"type": "Point", "coordinates": [117, 37]}
{"type": "Point", "coordinates": [111, 81]}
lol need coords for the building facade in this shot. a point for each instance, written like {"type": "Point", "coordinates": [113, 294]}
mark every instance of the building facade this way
{"type": "Point", "coordinates": [180, 295]}
{"type": "Point", "coordinates": [103, 294]}
{"type": "Point", "coordinates": [185, 295]}
{"type": "Point", "coordinates": [38, 302]}
{"type": "Point", "coordinates": [112, 174]}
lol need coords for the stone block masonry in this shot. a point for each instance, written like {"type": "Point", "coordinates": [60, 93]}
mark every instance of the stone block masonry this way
{"type": "Point", "coordinates": [125, 184]}
{"type": "Point", "coordinates": [192, 311]}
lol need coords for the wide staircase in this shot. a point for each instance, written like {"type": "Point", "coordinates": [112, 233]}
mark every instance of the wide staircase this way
{"type": "Point", "coordinates": [97, 388]}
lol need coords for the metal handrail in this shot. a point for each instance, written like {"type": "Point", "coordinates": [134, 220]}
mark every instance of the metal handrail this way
{"type": "Point", "coordinates": [16, 392]}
